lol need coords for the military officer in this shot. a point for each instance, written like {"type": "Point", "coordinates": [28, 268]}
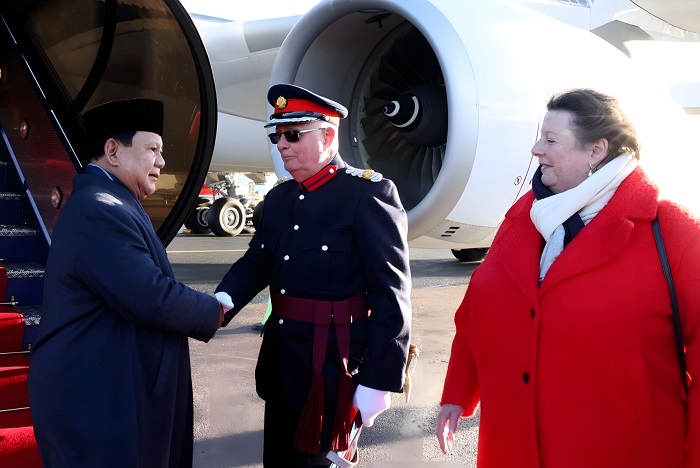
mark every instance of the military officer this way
{"type": "Point", "coordinates": [332, 247]}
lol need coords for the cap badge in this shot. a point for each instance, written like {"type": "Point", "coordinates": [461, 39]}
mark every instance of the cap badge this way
{"type": "Point", "coordinates": [281, 102]}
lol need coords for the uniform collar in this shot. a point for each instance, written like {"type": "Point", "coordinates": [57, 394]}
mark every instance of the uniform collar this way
{"type": "Point", "coordinates": [321, 177]}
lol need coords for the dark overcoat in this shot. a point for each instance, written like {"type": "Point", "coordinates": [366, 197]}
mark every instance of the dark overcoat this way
{"type": "Point", "coordinates": [109, 379]}
{"type": "Point", "coordinates": [345, 238]}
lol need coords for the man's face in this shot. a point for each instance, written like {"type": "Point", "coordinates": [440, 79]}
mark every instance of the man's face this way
{"type": "Point", "coordinates": [308, 155]}
{"type": "Point", "coordinates": [139, 165]}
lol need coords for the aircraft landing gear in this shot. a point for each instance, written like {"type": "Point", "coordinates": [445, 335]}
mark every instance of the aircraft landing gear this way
{"type": "Point", "coordinates": [226, 217]}
{"type": "Point", "coordinates": [197, 218]}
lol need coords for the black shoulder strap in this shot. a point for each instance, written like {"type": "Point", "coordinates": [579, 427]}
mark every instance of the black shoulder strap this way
{"type": "Point", "coordinates": [676, 315]}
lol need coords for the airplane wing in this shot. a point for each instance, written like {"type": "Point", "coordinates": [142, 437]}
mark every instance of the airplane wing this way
{"type": "Point", "coordinates": [241, 56]}
{"type": "Point", "coordinates": [682, 14]}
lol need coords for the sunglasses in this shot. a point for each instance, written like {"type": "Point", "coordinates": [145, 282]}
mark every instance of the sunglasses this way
{"type": "Point", "coordinates": [292, 136]}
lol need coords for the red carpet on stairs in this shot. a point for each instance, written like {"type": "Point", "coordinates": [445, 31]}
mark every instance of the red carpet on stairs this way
{"type": "Point", "coordinates": [11, 330]}
{"type": "Point", "coordinates": [13, 381]}
{"type": "Point", "coordinates": [17, 444]}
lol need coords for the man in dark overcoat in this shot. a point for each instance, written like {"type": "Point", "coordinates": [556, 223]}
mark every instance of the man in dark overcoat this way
{"type": "Point", "coordinates": [109, 377]}
{"type": "Point", "coordinates": [332, 247]}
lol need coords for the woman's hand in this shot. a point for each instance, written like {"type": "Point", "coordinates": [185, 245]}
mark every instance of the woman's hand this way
{"type": "Point", "coordinates": [447, 422]}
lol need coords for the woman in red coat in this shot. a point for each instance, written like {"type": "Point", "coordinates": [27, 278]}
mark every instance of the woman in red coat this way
{"type": "Point", "coordinates": [565, 335]}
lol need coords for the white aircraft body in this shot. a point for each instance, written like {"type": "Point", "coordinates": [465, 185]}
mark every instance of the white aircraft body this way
{"type": "Point", "coordinates": [475, 77]}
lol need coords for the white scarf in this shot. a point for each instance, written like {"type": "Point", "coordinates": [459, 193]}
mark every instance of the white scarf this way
{"type": "Point", "coordinates": [586, 199]}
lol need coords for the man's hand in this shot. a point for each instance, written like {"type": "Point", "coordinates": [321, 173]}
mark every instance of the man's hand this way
{"type": "Point", "coordinates": [447, 422]}
{"type": "Point", "coordinates": [225, 304]}
{"type": "Point", "coordinates": [221, 314]}
{"type": "Point", "coordinates": [370, 403]}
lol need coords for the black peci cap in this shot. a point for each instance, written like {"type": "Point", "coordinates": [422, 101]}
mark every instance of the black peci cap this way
{"type": "Point", "coordinates": [294, 104]}
{"type": "Point", "coordinates": [129, 115]}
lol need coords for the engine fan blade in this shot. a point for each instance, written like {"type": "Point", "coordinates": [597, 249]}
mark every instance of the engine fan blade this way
{"type": "Point", "coordinates": [407, 72]}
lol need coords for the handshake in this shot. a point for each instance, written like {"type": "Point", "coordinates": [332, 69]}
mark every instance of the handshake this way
{"type": "Point", "coordinates": [225, 304]}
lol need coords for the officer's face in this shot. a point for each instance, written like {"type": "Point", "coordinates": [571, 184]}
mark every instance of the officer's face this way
{"type": "Point", "coordinates": [308, 155]}
{"type": "Point", "coordinates": [137, 166]}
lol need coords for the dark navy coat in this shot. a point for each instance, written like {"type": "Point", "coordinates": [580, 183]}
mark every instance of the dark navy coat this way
{"type": "Point", "coordinates": [345, 238]}
{"type": "Point", "coordinates": [109, 379]}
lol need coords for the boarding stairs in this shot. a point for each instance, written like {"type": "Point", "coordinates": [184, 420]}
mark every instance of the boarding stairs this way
{"type": "Point", "coordinates": [21, 285]}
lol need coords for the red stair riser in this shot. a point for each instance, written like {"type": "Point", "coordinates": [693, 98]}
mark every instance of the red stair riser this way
{"type": "Point", "coordinates": [11, 330]}
{"type": "Point", "coordinates": [13, 381]}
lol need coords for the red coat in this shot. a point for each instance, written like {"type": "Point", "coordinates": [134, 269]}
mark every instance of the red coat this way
{"type": "Point", "coordinates": [582, 371]}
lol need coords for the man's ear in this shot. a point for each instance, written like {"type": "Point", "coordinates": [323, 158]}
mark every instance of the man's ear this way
{"type": "Point", "coordinates": [328, 136]}
{"type": "Point", "coordinates": [599, 151]}
{"type": "Point", "coordinates": [111, 147]}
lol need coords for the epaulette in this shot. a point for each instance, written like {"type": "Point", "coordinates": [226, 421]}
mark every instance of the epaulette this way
{"type": "Point", "coordinates": [367, 174]}
{"type": "Point", "coordinates": [281, 180]}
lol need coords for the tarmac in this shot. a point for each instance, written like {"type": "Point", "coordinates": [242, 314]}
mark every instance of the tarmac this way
{"type": "Point", "coordinates": [229, 414]}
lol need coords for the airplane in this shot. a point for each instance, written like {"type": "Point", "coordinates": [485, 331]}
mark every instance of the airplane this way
{"type": "Point", "coordinates": [480, 73]}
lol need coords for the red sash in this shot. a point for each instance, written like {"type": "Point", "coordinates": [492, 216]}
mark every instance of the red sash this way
{"type": "Point", "coordinates": [322, 314]}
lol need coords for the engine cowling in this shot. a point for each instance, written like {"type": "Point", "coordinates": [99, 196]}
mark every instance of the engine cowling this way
{"type": "Point", "coordinates": [446, 98]}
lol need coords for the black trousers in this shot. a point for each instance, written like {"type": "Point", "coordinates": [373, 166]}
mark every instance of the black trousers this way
{"type": "Point", "coordinates": [279, 430]}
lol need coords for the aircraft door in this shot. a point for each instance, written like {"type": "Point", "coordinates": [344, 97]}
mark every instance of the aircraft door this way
{"type": "Point", "coordinates": [81, 53]}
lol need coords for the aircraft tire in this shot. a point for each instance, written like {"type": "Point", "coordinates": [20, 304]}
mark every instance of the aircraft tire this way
{"type": "Point", "coordinates": [196, 220]}
{"type": "Point", "coordinates": [469, 255]}
{"type": "Point", "coordinates": [226, 217]}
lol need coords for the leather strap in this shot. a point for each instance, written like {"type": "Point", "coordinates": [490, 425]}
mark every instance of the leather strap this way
{"type": "Point", "coordinates": [676, 314]}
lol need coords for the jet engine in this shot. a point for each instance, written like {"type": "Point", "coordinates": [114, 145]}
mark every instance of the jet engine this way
{"type": "Point", "coordinates": [446, 98]}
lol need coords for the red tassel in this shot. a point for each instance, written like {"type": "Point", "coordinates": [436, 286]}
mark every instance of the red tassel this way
{"type": "Point", "coordinates": [307, 438]}
{"type": "Point", "coordinates": [343, 420]}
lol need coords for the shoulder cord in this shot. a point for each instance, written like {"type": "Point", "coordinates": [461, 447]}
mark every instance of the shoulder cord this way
{"type": "Point", "coordinates": [676, 315]}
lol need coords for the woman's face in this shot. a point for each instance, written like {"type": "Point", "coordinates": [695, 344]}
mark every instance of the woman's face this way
{"type": "Point", "coordinates": [565, 162]}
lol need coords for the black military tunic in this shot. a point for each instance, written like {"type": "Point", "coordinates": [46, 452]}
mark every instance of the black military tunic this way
{"type": "Point", "coordinates": [335, 237]}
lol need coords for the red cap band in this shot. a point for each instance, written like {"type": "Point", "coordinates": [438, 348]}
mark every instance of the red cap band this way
{"type": "Point", "coordinates": [302, 105]}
